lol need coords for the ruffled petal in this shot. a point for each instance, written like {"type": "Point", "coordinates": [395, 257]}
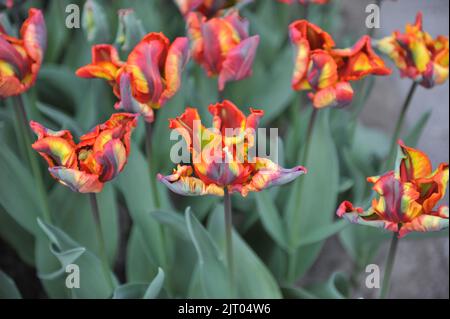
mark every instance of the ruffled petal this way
{"type": "Point", "coordinates": [105, 63]}
{"type": "Point", "coordinates": [76, 180]}
{"type": "Point", "coordinates": [267, 174]}
{"type": "Point", "coordinates": [34, 35]}
{"type": "Point", "coordinates": [339, 95]}
{"type": "Point", "coordinates": [356, 215]}
{"type": "Point", "coordinates": [412, 164]}
{"type": "Point", "coordinates": [227, 115]}
{"type": "Point", "coordinates": [181, 182]}
{"type": "Point", "coordinates": [112, 160]}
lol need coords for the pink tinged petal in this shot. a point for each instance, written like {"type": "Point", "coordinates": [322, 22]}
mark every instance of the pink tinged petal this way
{"type": "Point", "coordinates": [356, 215]}
{"type": "Point", "coordinates": [238, 62]}
{"type": "Point", "coordinates": [269, 174]}
{"type": "Point", "coordinates": [340, 95]}
{"type": "Point", "coordinates": [212, 54]}
{"type": "Point", "coordinates": [177, 58]}
{"type": "Point", "coordinates": [254, 118]}
{"type": "Point", "coordinates": [181, 182]}
{"type": "Point", "coordinates": [112, 159]}
{"type": "Point", "coordinates": [301, 64]}
{"type": "Point", "coordinates": [9, 55]}
{"type": "Point", "coordinates": [239, 24]}
{"type": "Point", "coordinates": [76, 180]}
{"type": "Point", "coordinates": [426, 223]}
{"type": "Point", "coordinates": [34, 35]}
{"type": "Point", "coordinates": [129, 104]}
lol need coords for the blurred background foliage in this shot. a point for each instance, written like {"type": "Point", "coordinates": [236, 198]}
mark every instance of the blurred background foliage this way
{"type": "Point", "coordinates": [156, 246]}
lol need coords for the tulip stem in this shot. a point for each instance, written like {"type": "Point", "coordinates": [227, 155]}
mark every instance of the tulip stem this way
{"type": "Point", "coordinates": [149, 153]}
{"type": "Point", "coordinates": [26, 137]}
{"type": "Point", "coordinates": [100, 240]}
{"type": "Point", "coordinates": [229, 236]}
{"type": "Point", "coordinates": [389, 266]}
{"type": "Point", "coordinates": [399, 125]}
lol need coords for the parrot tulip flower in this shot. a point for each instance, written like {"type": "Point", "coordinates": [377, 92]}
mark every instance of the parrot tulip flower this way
{"type": "Point", "coordinates": [148, 79]}
{"type": "Point", "coordinates": [99, 156]}
{"type": "Point", "coordinates": [21, 59]}
{"type": "Point", "coordinates": [417, 55]}
{"type": "Point", "coordinates": [326, 71]}
{"type": "Point", "coordinates": [222, 46]}
{"type": "Point", "coordinates": [208, 8]}
{"type": "Point", "coordinates": [407, 197]}
{"type": "Point", "coordinates": [305, 2]}
{"type": "Point", "coordinates": [226, 167]}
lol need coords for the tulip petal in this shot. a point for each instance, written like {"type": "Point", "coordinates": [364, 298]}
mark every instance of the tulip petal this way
{"type": "Point", "coordinates": [412, 164]}
{"type": "Point", "coordinates": [145, 65]}
{"type": "Point", "coordinates": [77, 181]}
{"type": "Point", "coordinates": [34, 35]}
{"type": "Point", "coordinates": [128, 103]}
{"type": "Point", "coordinates": [227, 115]}
{"type": "Point", "coordinates": [112, 159]}
{"type": "Point", "coordinates": [182, 183]}
{"type": "Point", "coordinates": [357, 215]}
{"type": "Point", "coordinates": [177, 57]}
{"type": "Point", "coordinates": [339, 95]}
{"type": "Point", "coordinates": [268, 174]}
{"type": "Point", "coordinates": [426, 223]}
{"type": "Point", "coordinates": [238, 62]}
{"type": "Point", "coordinates": [105, 63]}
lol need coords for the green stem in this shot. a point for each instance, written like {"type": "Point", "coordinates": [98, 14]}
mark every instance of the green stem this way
{"type": "Point", "coordinates": [399, 125]}
{"type": "Point", "coordinates": [26, 138]}
{"type": "Point", "coordinates": [229, 236]}
{"type": "Point", "coordinates": [304, 158]}
{"type": "Point", "coordinates": [101, 240]}
{"type": "Point", "coordinates": [149, 153]}
{"type": "Point", "coordinates": [389, 266]}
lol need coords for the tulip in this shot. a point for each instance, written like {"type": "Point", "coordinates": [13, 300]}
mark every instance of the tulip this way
{"type": "Point", "coordinates": [417, 55]}
{"type": "Point", "coordinates": [327, 72]}
{"type": "Point", "coordinates": [226, 169]}
{"type": "Point", "coordinates": [21, 59]}
{"type": "Point", "coordinates": [222, 46]}
{"type": "Point", "coordinates": [148, 79]}
{"type": "Point", "coordinates": [99, 156]}
{"type": "Point", "coordinates": [407, 197]}
{"type": "Point", "coordinates": [208, 8]}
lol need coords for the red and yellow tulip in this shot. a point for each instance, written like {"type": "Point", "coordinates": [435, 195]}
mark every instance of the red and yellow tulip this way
{"type": "Point", "coordinates": [417, 55]}
{"type": "Point", "coordinates": [326, 71]}
{"type": "Point", "coordinates": [407, 197]}
{"type": "Point", "coordinates": [208, 8]}
{"type": "Point", "coordinates": [222, 162]}
{"type": "Point", "coordinates": [99, 156]}
{"type": "Point", "coordinates": [222, 46]}
{"type": "Point", "coordinates": [21, 59]}
{"type": "Point", "coordinates": [148, 79]}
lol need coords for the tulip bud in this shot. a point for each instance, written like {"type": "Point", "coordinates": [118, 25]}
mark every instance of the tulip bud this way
{"type": "Point", "coordinates": [95, 23]}
{"type": "Point", "coordinates": [130, 30]}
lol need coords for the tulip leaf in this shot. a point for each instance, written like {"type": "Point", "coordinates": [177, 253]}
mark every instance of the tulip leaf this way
{"type": "Point", "coordinates": [416, 132]}
{"type": "Point", "coordinates": [63, 120]}
{"type": "Point", "coordinates": [298, 293]}
{"type": "Point", "coordinates": [271, 219]}
{"type": "Point", "coordinates": [323, 233]}
{"type": "Point", "coordinates": [253, 279]}
{"type": "Point", "coordinates": [173, 220]}
{"type": "Point", "coordinates": [213, 272]}
{"type": "Point", "coordinates": [93, 282]}
{"type": "Point", "coordinates": [155, 286]}
{"type": "Point", "coordinates": [336, 287]}
{"type": "Point", "coordinates": [17, 181]}
{"type": "Point", "coordinates": [312, 201]}
{"type": "Point", "coordinates": [17, 237]}
{"type": "Point", "coordinates": [141, 290]}
{"type": "Point", "coordinates": [139, 266]}
{"type": "Point", "coordinates": [8, 289]}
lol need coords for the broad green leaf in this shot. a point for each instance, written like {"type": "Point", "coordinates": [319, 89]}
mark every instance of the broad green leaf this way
{"type": "Point", "coordinates": [271, 219]}
{"type": "Point", "coordinates": [93, 282]}
{"type": "Point", "coordinates": [155, 286]}
{"type": "Point", "coordinates": [173, 220]}
{"type": "Point", "coordinates": [17, 237]}
{"type": "Point", "coordinates": [416, 132]}
{"type": "Point", "coordinates": [312, 201]}
{"type": "Point", "coordinates": [336, 287]}
{"type": "Point", "coordinates": [297, 293]}
{"type": "Point", "coordinates": [253, 279]}
{"type": "Point", "coordinates": [8, 289]}
{"type": "Point", "coordinates": [323, 233]}
{"type": "Point", "coordinates": [213, 272]}
{"type": "Point", "coordinates": [139, 266]}
{"type": "Point", "coordinates": [17, 191]}
{"type": "Point", "coordinates": [63, 120]}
